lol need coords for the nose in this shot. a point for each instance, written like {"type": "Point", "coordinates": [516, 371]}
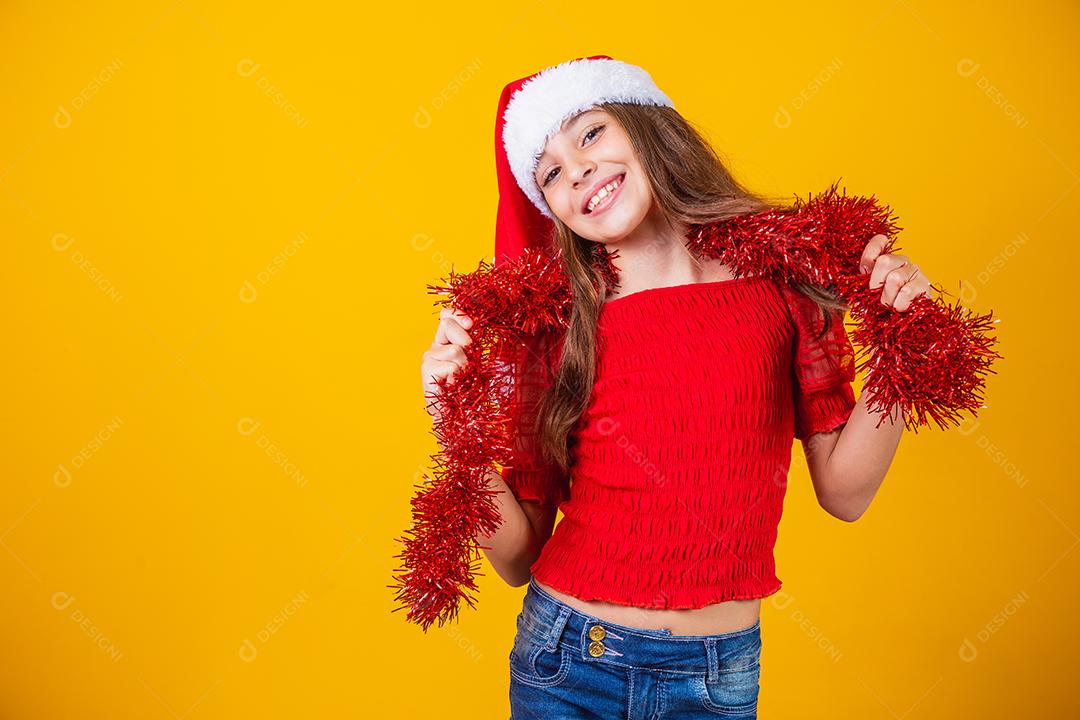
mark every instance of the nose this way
{"type": "Point", "coordinates": [581, 171]}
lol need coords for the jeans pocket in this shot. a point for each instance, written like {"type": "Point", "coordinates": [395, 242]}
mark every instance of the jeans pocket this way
{"type": "Point", "coordinates": [735, 690]}
{"type": "Point", "coordinates": [533, 664]}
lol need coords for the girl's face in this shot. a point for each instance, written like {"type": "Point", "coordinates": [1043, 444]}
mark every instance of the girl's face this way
{"type": "Point", "coordinates": [592, 152]}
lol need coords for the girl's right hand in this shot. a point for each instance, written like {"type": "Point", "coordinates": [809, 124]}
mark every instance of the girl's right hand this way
{"type": "Point", "coordinates": [445, 356]}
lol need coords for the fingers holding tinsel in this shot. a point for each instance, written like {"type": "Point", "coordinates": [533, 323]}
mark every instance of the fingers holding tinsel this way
{"type": "Point", "coordinates": [928, 362]}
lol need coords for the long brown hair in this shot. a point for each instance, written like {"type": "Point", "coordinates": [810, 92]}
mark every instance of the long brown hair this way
{"type": "Point", "coordinates": [690, 184]}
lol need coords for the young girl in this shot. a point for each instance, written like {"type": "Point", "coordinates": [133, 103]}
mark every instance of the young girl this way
{"type": "Point", "coordinates": [671, 401]}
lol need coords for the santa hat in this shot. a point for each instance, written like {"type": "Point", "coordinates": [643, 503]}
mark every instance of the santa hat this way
{"type": "Point", "coordinates": [531, 110]}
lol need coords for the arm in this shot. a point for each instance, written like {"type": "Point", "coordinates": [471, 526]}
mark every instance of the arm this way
{"type": "Point", "coordinates": [516, 544]}
{"type": "Point", "coordinates": [531, 488]}
{"type": "Point", "coordinates": [848, 465]}
{"type": "Point", "coordinates": [527, 493]}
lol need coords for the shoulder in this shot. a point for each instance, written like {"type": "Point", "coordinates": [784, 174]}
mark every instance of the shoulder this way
{"type": "Point", "coordinates": [806, 313]}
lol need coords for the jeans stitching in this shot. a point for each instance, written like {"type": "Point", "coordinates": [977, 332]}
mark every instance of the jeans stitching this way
{"type": "Point", "coordinates": [662, 690]}
{"type": "Point", "coordinates": [564, 669]}
{"type": "Point", "coordinates": [703, 695]}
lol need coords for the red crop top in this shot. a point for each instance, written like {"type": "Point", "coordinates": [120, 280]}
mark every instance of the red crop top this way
{"type": "Point", "coordinates": [680, 460]}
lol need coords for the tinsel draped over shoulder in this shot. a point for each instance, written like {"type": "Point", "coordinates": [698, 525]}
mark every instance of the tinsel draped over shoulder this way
{"type": "Point", "coordinates": [928, 364]}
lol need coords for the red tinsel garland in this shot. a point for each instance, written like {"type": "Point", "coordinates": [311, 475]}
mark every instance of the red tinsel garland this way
{"type": "Point", "coordinates": [928, 362]}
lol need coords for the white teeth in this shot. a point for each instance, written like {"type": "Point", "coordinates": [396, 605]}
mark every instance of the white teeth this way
{"type": "Point", "coordinates": [602, 193]}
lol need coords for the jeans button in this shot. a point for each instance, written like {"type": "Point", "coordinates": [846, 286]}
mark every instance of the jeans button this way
{"type": "Point", "coordinates": [597, 632]}
{"type": "Point", "coordinates": [596, 648]}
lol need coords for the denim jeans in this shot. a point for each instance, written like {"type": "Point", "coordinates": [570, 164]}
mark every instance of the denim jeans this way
{"type": "Point", "coordinates": [568, 664]}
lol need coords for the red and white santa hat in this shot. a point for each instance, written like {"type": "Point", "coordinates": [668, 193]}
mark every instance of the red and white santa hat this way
{"type": "Point", "coordinates": [531, 110]}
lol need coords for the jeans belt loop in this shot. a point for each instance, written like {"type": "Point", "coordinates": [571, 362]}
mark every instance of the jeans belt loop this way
{"type": "Point", "coordinates": [555, 632]}
{"type": "Point", "coordinates": [714, 663]}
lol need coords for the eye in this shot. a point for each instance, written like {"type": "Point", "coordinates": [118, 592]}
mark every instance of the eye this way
{"type": "Point", "coordinates": [588, 135]}
{"type": "Point", "coordinates": [596, 128]}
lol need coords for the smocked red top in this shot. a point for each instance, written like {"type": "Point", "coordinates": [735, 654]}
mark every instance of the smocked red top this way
{"type": "Point", "coordinates": [680, 460]}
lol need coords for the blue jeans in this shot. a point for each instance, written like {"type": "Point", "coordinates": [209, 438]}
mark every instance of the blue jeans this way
{"type": "Point", "coordinates": [567, 664]}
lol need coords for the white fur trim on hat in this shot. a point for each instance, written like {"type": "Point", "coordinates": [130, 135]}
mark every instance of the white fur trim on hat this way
{"type": "Point", "coordinates": [544, 102]}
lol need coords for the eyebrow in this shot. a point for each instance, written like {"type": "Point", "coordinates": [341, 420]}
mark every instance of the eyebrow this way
{"type": "Point", "coordinates": [573, 123]}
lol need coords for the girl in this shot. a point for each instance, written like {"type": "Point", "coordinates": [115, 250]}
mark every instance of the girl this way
{"type": "Point", "coordinates": [672, 401]}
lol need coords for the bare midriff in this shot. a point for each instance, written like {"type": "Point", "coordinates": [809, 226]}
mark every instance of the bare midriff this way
{"type": "Point", "coordinates": [721, 617]}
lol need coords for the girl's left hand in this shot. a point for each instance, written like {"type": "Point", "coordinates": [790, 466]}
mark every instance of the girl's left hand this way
{"type": "Point", "coordinates": [902, 279]}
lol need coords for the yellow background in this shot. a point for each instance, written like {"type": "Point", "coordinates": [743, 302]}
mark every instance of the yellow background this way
{"type": "Point", "coordinates": [220, 224]}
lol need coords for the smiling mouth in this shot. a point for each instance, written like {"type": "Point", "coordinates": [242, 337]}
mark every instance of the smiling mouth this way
{"type": "Point", "coordinates": [605, 196]}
